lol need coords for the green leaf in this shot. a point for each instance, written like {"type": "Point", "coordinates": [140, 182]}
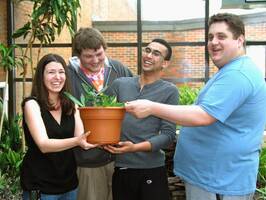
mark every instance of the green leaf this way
{"type": "Point", "coordinates": [22, 31]}
{"type": "Point", "coordinates": [74, 99]}
{"type": "Point", "coordinates": [91, 97]}
{"type": "Point", "coordinates": [43, 9]}
{"type": "Point", "coordinates": [8, 61]}
{"type": "Point", "coordinates": [187, 95]}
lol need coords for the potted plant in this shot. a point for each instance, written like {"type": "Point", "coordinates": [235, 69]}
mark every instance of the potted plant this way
{"type": "Point", "coordinates": [103, 118]}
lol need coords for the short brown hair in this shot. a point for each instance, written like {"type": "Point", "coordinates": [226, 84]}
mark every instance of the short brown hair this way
{"type": "Point", "coordinates": [234, 22]}
{"type": "Point", "coordinates": [87, 38]}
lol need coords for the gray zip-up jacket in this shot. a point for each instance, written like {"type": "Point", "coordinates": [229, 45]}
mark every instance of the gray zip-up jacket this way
{"type": "Point", "coordinates": [113, 69]}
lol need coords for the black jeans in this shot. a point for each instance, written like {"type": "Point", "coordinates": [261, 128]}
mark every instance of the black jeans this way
{"type": "Point", "coordinates": [140, 184]}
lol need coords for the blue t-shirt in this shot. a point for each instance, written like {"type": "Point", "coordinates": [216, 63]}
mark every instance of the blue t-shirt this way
{"type": "Point", "coordinates": [224, 156]}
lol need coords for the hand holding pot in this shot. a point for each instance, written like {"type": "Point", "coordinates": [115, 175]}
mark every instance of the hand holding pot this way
{"type": "Point", "coordinates": [82, 141]}
{"type": "Point", "coordinates": [121, 147]}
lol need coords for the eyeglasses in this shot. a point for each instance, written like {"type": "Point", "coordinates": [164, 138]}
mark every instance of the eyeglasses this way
{"type": "Point", "coordinates": [155, 53]}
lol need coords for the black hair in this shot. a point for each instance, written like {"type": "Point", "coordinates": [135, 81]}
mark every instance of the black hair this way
{"type": "Point", "coordinates": [167, 45]}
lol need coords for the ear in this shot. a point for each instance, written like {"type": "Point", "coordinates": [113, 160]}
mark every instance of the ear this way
{"type": "Point", "coordinates": [165, 64]}
{"type": "Point", "coordinates": [241, 41]}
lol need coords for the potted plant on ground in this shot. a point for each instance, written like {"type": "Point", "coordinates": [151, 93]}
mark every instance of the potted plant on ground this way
{"type": "Point", "coordinates": [103, 118]}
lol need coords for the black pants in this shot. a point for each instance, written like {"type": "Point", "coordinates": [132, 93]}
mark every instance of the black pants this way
{"type": "Point", "coordinates": [140, 184]}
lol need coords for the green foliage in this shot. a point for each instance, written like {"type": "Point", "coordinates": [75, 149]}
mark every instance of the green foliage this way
{"type": "Point", "coordinates": [11, 153]}
{"type": "Point", "coordinates": [48, 19]}
{"type": "Point", "coordinates": [11, 156]}
{"type": "Point", "coordinates": [187, 95]}
{"type": "Point", "coordinates": [262, 166]}
{"type": "Point", "coordinates": [261, 193]}
{"type": "Point", "coordinates": [261, 182]}
{"type": "Point", "coordinates": [91, 97]}
{"type": "Point", "coordinates": [9, 187]}
{"type": "Point", "coordinates": [7, 60]}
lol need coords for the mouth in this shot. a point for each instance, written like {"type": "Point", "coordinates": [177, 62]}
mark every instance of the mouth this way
{"type": "Point", "coordinates": [56, 84]}
{"type": "Point", "coordinates": [147, 62]}
{"type": "Point", "coordinates": [216, 49]}
{"type": "Point", "coordinates": [215, 52]}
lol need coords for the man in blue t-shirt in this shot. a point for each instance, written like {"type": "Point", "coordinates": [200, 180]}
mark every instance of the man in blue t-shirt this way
{"type": "Point", "coordinates": [217, 153]}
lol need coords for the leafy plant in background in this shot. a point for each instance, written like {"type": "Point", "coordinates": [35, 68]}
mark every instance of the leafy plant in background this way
{"type": "Point", "coordinates": [261, 182]}
{"type": "Point", "coordinates": [93, 98]}
{"type": "Point", "coordinates": [47, 19]}
{"type": "Point", "coordinates": [11, 155]}
{"type": "Point", "coordinates": [8, 62]}
{"type": "Point", "coordinates": [187, 94]}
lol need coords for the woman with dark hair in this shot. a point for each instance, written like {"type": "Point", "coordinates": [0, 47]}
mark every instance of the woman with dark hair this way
{"type": "Point", "coordinates": [52, 127]}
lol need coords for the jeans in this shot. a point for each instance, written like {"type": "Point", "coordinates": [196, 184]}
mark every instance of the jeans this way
{"type": "Point", "coordinates": [196, 193]}
{"type": "Point", "coordinates": [71, 195]}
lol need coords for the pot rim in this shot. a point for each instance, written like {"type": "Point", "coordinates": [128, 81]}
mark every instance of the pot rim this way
{"type": "Point", "coordinates": [101, 107]}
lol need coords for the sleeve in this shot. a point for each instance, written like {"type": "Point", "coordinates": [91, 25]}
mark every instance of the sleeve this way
{"type": "Point", "coordinates": [225, 95]}
{"type": "Point", "coordinates": [73, 82]}
{"type": "Point", "coordinates": [167, 133]}
{"type": "Point", "coordinates": [128, 73]}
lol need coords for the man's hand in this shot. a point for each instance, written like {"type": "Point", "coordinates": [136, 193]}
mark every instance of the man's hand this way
{"type": "Point", "coordinates": [121, 147]}
{"type": "Point", "coordinates": [139, 108]}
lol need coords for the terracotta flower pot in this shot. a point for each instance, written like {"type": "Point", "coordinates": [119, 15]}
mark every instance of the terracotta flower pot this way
{"type": "Point", "coordinates": [104, 123]}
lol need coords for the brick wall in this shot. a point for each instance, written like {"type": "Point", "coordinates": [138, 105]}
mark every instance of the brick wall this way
{"type": "Point", "coordinates": [187, 61]}
{"type": "Point", "coordinates": [3, 22]}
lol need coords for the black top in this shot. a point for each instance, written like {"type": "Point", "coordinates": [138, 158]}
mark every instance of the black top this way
{"type": "Point", "coordinates": [51, 173]}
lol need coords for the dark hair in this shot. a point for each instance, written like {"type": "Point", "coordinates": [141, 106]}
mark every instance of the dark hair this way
{"type": "Point", "coordinates": [39, 90]}
{"type": "Point", "coordinates": [87, 38]}
{"type": "Point", "coordinates": [234, 22]}
{"type": "Point", "coordinates": [164, 43]}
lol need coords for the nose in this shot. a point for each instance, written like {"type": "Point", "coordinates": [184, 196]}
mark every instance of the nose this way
{"type": "Point", "coordinates": [57, 75]}
{"type": "Point", "coordinates": [215, 40]}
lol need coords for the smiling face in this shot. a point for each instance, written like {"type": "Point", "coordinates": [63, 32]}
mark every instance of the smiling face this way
{"type": "Point", "coordinates": [222, 45]}
{"type": "Point", "coordinates": [153, 57]}
{"type": "Point", "coordinates": [92, 60]}
{"type": "Point", "coordinates": [54, 77]}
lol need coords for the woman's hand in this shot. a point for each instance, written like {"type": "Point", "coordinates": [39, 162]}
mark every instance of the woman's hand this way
{"type": "Point", "coordinates": [82, 140]}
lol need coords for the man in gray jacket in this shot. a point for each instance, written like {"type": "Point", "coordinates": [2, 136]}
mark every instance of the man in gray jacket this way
{"type": "Point", "coordinates": [91, 66]}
